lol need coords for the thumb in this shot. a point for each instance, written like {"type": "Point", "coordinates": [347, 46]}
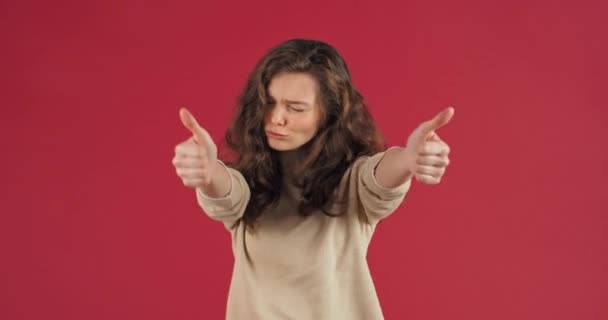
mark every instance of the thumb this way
{"type": "Point", "coordinates": [200, 135]}
{"type": "Point", "coordinates": [434, 137]}
{"type": "Point", "coordinates": [440, 120]}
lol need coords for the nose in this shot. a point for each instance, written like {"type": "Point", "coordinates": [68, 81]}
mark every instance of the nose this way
{"type": "Point", "coordinates": [276, 116]}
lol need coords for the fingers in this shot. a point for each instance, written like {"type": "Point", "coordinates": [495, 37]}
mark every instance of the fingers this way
{"type": "Point", "coordinates": [430, 152]}
{"type": "Point", "coordinates": [429, 169]}
{"type": "Point", "coordinates": [183, 151]}
{"type": "Point", "coordinates": [192, 173]}
{"type": "Point", "coordinates": [189, 162]}
{"type": "Point", "coordinates": [435, 172]}
{"type": "Point", "coordinates": [433, 161]}
{"type": "Point", "coordinates": [195, 183]}
{"type": "Point", "coordinates": [431, 165]}
{"type": "Point", "coordinates": [190, 148]}
{"type": "Point", "coordinates": [426, 179]}
{"type": "Point", "coordinates": [194, 177]}
{"type": "Point", "coordinates": [434, 148]}
{"type": "Point", "coordinates": [193, 157]}
{"type": "Point", "coordinates": [192, 164]}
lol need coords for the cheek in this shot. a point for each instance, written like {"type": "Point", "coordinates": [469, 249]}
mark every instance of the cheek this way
{"type": "Point", "coordinates": [266, 118]}
{"type": "Point", "coordinates": [306, 125]}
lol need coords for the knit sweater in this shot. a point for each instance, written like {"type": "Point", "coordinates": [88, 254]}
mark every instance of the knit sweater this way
{"type": "Point", "coordinates": [305, 267]}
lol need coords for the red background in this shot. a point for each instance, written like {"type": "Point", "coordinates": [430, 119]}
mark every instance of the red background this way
{"type": "Point", "coordinates": [96, 224]}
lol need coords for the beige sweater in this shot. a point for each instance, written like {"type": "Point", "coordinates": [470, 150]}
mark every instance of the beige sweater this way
{"type": "Point", "coordinates": [314, 267]}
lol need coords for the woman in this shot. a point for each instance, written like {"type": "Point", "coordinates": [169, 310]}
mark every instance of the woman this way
{"type": "Point", "coordinates": [310, 183]}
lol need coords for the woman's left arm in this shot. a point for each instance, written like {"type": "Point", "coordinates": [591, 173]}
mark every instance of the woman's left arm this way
{"type": "Point", "coordinates": [425, 156]}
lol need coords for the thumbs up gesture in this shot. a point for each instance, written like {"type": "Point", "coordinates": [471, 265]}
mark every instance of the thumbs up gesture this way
{"type": "Point", "coordinates": [195, 158]}
{"type": "Point", "coordinates": [426, 154]}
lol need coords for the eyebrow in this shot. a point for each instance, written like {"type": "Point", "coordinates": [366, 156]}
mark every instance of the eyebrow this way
{"type": "Point", "coordinates": [289, 101]}
{"type": "Point", "coordinates": [296, 102]}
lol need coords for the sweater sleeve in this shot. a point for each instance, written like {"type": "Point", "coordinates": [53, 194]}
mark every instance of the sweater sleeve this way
{"type": "Point", "coordinates": [377, 201]}
{"type": "Point", "coordinates": [228, 209]}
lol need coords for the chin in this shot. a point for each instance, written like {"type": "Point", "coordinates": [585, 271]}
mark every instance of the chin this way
{"type": "Point", "coordinates": [282, 146]}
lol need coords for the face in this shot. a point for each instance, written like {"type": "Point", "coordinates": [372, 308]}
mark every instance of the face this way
{"type": "Point", "coordinates": [294, 112]}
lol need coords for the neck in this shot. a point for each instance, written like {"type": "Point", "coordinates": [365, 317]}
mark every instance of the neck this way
{"type": "Point", "coordinates": [292, 161]}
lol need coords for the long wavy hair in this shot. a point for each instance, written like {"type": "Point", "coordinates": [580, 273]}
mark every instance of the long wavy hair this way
{"type": "Point", "coordinates": [346, 130]}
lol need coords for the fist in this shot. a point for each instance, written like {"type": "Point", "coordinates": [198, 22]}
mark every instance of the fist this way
{"type": "Point", "coordinates": [195, 157]}
{"type": "Point", "coordinates": [426, 154]}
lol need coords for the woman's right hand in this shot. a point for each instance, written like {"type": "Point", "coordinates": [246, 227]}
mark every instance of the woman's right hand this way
{"type": "Point", "coordinates": [195, 159]}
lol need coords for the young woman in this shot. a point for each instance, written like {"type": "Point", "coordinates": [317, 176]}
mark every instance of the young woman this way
{"type": "Point", "coordinates": [311, 180]}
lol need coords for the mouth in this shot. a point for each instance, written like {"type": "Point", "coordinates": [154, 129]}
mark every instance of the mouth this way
{"type": "Point", "coordinates": [273, 134]}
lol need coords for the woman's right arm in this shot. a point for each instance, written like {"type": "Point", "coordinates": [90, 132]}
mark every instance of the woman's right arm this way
{"type": "Point", "coordinates": [227, 207]}
{"type": "Point", "coordinates": [220, 183]}
{"type": "Point", "coordinates": [222, 192]}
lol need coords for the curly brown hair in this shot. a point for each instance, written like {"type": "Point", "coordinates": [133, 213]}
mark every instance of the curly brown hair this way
{"type": "Point", "coordinates": [346, 130]}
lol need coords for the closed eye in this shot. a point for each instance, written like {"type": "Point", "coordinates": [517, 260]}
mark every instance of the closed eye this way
{"type": "Point", "coordinates": [296, 109]}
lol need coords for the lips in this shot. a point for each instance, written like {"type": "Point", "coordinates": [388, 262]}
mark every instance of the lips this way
{"type": "Point", "coordinates": [270, 132]}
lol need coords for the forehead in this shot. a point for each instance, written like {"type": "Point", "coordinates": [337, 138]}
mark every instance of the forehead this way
{"type": "Point", "coordinates": [293, 86]}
